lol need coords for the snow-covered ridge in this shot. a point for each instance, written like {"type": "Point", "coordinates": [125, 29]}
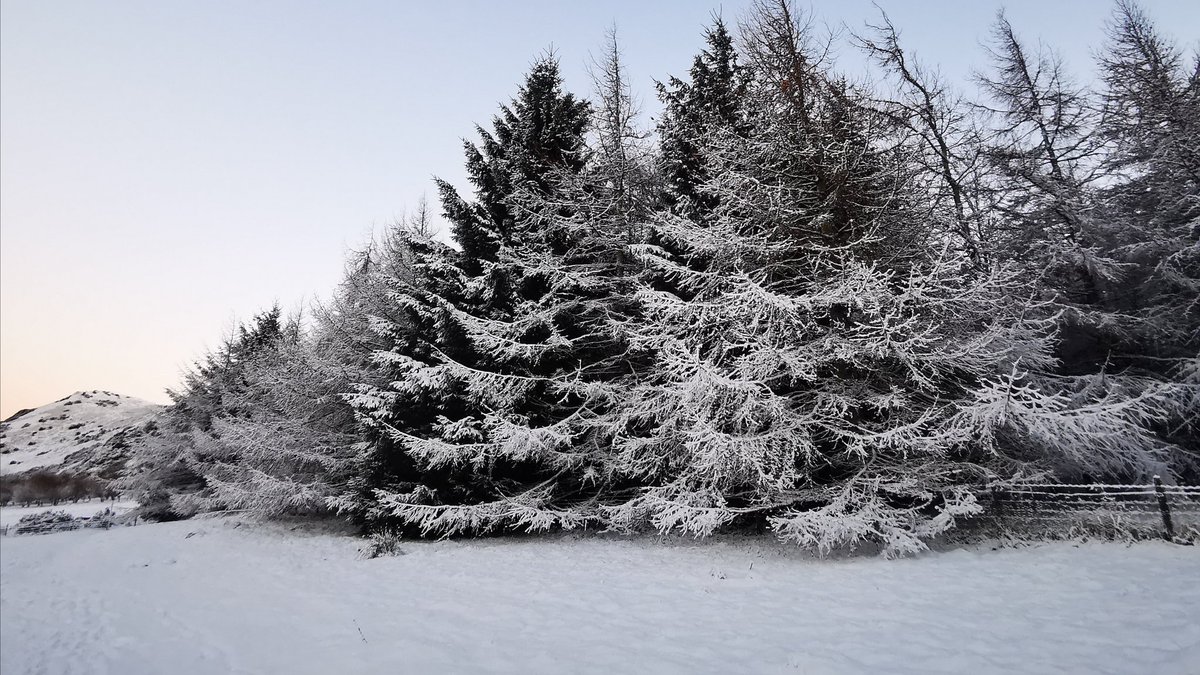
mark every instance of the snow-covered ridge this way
{"type": "Point", "coordinates": [70, 430]}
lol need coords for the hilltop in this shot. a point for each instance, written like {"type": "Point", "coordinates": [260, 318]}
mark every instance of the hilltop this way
{"type": "Point", "coordinates": [83, 431]}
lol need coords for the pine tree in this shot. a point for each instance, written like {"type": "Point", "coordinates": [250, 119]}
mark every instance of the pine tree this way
{"type": "Point", "coordinates": [541, 129]}
{"type": "Point", "coordinates": [711, 100]}
{"type": "Point", "coordinates": [497, 403]}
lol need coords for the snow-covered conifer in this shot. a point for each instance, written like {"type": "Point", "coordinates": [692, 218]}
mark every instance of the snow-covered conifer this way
{"type": "Point", "coordinates": [498, 405]}
{"type": "Point", "coordinates": [825, 360]}
{"type": "Point", "coordinates": [711, 98]}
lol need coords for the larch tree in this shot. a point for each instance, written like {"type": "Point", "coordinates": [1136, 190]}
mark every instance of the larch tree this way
{"type": "Point", "coordinates": [167, 471]}
{"type": "Point", "coordinates": [1150, 121]}
{"type": "Point", "coordinates": [942, 131]}
{"type": "Point", "coordinates": [825, 361]}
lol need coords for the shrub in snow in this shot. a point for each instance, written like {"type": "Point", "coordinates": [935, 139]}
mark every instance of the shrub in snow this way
{"type": "Point", "coordinates": [383, 543]}
{"type": "Point", "coordinates": [103, 520]}
{"type": "Point", "coordinates": [47, 522]}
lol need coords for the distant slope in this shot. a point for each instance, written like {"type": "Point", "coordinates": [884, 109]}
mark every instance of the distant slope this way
{"type": "Point", "coordinates": [69, 431]}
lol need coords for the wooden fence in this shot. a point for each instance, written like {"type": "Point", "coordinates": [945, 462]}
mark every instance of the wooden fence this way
{"type": "Point", "coordinates": [1170, 510]}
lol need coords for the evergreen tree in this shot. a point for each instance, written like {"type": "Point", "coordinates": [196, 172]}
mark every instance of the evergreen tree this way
{"type": "Point", "coordinates": [497, 402]}
{"type": "Point", "coordinates": [711, 100]}
{"type": "Point", "coordinates": [541, 129]}
{"type": "Point", "coordinates": [403, 303]}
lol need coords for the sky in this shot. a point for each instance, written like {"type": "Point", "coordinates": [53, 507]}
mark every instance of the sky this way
{"type": "Point", "coordinates": [168, 168]}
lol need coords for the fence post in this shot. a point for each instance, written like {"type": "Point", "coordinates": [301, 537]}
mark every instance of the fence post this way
{"type": "Point", "coordinates": [998, 508]}
{"type": "Point", "coordinates": [1165, 509]}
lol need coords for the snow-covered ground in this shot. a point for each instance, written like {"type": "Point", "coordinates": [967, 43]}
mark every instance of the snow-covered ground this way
{"type": "Point", "coordinates": [9, 515]}
{"type": "Point", "coordinates": [217, 596]}
{"type": "Point", "coordinates": [48, 435]}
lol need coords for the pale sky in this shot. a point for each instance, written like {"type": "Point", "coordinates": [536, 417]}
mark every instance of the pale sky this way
{"type": "Point", "coordinates": [169, 167]}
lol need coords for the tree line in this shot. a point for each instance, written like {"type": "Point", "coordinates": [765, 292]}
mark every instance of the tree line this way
{"type": "Point", "coordinates": [41, 486]}
{"type": "Point", "coordinates": [833, 309]}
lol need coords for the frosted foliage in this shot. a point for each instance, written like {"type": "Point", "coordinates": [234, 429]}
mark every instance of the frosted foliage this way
{"type": "Point", "coordinates": [268, 469]}
{"type": "Point", "coordinates": [516, 366]}
{"type": "Point", "coordinates": [293, 450]}
{"type": "Point", "coordinates": [477, 443]}
{"type": "Point", "coordinates": [699, 513]}
{"type": "Point", "coordinates": [1104, 436]}
{"type": "Point", "coordinates": [834, 369]}
{"type": "Point", "coordinates": [834, 309]}
{"type": "Point", "coordinates": [827, 363]}
{"type": "Point", "coordinates": [501, 340]}
{"type": "Point", "coordinates": [765, 388]}
{"type": "Point", "coordinates": [528, 512]}
{"type": "Point", "coordinates": [857, 513]}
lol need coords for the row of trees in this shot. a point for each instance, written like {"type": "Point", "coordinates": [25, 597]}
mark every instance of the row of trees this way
{"type": "Point", "coordinates": [831, 308]}
{"type": "Point", "coordinates": [47, 487]}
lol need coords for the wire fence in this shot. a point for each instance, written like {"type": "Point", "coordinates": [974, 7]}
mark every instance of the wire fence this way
{"type": "Point", "coordinates": [1060, 509]}
{"type": "Point", "coordinates": [1172, 511]}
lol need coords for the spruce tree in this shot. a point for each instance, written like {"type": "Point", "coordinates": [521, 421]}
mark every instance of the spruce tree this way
{"type": "Point", "coordinates": [500, 401]}
{"type": "Point", "coordinates": [408, 295]}
{"type": "Point", "coordinates": [712, 99]}
{"type": "Point", "coordinates": [540, 130]}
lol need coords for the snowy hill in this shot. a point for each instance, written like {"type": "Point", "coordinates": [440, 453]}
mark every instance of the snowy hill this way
{"type": "Point", "coordinates": [76, 431]}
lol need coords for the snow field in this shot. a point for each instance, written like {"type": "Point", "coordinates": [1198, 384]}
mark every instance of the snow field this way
{"type": "Point", "coordinates": [218, 596]}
